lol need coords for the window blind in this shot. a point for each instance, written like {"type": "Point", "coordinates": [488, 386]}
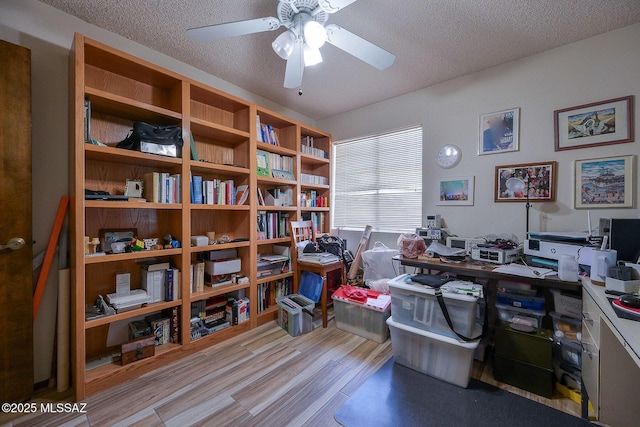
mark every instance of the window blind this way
{"type": "Point", "coordinates": [377, 180]}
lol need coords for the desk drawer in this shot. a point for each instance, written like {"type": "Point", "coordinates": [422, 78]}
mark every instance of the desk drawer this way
{"type": "Point", "coordinates": [591, 317]}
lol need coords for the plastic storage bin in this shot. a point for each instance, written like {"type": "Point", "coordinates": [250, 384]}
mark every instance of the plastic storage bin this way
{"type": "Point", "coordinates": [511, 314]}
{"type": "Point", "coordinates": [569, 353]}
{"type": "Point", "coordinates": [367, 318]}
{"type": "Point", "coordinates": [433, 354]}
{"type": "Point", "coordinates": [566, 327]}
{"type": "Point", "coordinates": [295, 314]}
{"type": "Point", "coordinates": [567, 305]}
{"type": "Point", "coordinates": [416, 305]}
{"type": "Point", "coordinates": [521, 301]}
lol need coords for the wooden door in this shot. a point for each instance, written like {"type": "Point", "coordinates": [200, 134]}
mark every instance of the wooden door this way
{"type": "Point", "coordinates": [16, 287]}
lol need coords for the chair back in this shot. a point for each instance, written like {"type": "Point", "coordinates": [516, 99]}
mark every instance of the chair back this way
{"type": "Point", "coordinates": [302, 231]}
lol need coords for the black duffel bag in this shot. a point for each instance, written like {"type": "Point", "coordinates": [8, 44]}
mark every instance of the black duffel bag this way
{"type": "Point", "coordinates": [153, 139]}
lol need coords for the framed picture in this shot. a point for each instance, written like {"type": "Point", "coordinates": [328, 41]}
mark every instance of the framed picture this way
{"type": "Point", "coordinates": [456, 191]}
{"type": "Point", "coordinates": [133, 188]}
{"type": "Point", "coordinates": [499, 132]}
{"type": "Point", "coordinates": [590, 125]}
{"type": "Point", "coordinates": [534, 182]}
{"type": "Point", "coordinates": [116, 235]}
{"type": "Point", "coordinates": [605, 183]}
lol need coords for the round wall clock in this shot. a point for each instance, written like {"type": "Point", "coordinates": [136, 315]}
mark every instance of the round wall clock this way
{"type": "Point", "coordinates": [448, 156]}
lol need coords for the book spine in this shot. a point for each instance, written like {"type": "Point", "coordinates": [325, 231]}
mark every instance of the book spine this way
{"type": "Point", "coordinates": [197, 190]}
{"type": "Point", "coordinates": [168, 295]}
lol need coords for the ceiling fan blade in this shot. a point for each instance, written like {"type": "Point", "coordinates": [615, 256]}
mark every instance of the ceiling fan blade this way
{"type": "Point", "coordinates": [332, 6]}
{"type": "Point", "coordinates": [232, 29]}
{"type": "Point", "coordinates": [295, 68]}
{"type": "Point", "coordinates": [359, 47]}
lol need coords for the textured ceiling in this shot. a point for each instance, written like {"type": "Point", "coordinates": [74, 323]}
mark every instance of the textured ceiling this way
{"type": "Point", "coordinates": [433, 41]}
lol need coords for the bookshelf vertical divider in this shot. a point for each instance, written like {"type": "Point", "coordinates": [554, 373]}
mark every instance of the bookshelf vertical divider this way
{"type": "Point", "coordinates": [123, 89]}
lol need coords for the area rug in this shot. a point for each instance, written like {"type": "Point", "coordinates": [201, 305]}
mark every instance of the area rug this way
{"type": "Point", "coordinates": [398, 396]}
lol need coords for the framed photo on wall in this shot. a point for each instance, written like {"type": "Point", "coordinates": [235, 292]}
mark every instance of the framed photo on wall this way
{"type": "Point", "coordinates": [605, 183]}
{"type": "Point", "coordinates": [456, 191]}
{"type": "Point", "coordinates": [591, 125]}
{"type": "Point", "coordinates": [499, 132]}
{"type": "Point", "coordinates": [535, 182]}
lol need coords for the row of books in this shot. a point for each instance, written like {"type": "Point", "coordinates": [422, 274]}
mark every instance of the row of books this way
{"type": "Point", "coordinates": [275, 197]}
{"type": "Point", "coordinates": [265, 133]}
{"type": "Point", "coordinates": [310, 199]}
{"type": "Point", "coordinates": [161, 281]}
{"type": "Point", "coordinates": [217, 192]}
{"type": "Point", "coordinates": [318, 219]}
{"type": "Point", "coordinates": [272, 225]}
{"type": "Point", "coordinates": [307, 147]}
{"type": "Point", "coordinates": [161, 187]}
{"type": "Point", "coordinates": [272, 164]}
{"type": "Point", "coordinates": [306, 178]}
{"type": "Point", "coordinates": [268, 292]}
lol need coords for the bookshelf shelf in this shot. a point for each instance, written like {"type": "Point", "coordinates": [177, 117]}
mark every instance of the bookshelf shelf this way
{"type": "Point", "coordinates": [276, 149]}
{"type": "Point", "coordinates": [274, 241]}
{"type": "Point", "coordinates": [130, 256]}
{"type": "Point", "coordinates": [305, 186]}
{"type": "Point", "coordinates": [273, 277]}
{"type": "Point", "coordinates": [323, 209]}
{"type": "Point", "coordinates": [221, 207]}
{"type": "Point", "coordinates": [219, 246]}
{"type": "Point", "coordinates": [128, 157]}
{"type": "Point", "coordinates": [307, 158]}
{"type": "Point", "coordinates": [106, 204]}
{"type": "Point", "coordinates": [121, 90]}
{"type": "Point", "coordinates": [265, 180]}
{"type": "Point", "coordinates": [122, 106]}
{"type": "Point", "coordinates": [146, 309]}
{"type": "Point", "coordinates": [225, 170]}
{"type": "Point", "coordinates": [218, 132]}
{"type": "Point", "coordinates": [210, 292]}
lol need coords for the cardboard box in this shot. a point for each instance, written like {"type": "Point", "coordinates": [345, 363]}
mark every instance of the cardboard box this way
{"type": "Point", "coordinates": [199, 241]}
{"type": "Point", "coordinates": [221, 267]}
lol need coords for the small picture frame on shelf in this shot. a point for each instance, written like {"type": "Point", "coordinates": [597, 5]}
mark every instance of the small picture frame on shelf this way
{"type": "Point", "coordinates": [534, 182]}
{"type": "Point", "coordinates": [133, 188]}
{"type": "Point", "coordinates": [605, 183]}
{"type": "Point", "coordinates": [596, 124]}
{"type": "Point", "coordinates": [456, 191]}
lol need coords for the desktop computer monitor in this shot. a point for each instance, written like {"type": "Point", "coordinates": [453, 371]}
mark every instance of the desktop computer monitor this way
{"type": "Point", "coordinates": [623, 235]}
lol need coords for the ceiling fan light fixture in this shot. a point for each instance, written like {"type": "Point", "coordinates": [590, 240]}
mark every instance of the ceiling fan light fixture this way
{"type": "Point", "coordinates": [283, 44]}
{"type": "Point", "coordinates": [314, 34]}
{"type": "Point", "coordinates": [311, 56]}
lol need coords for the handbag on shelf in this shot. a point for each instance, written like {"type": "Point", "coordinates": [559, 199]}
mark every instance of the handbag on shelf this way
{"type": "Point", "coordinates": [154, 139]}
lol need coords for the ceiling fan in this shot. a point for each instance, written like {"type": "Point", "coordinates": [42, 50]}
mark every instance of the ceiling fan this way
{"type": "Point", "coordinates": [306, 33]}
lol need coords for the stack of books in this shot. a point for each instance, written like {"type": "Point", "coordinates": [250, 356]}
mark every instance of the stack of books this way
{"type": "Point", "coordinates": [321, 258]}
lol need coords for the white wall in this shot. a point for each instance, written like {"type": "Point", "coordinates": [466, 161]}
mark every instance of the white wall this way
{"type": "Point", "coordinates": [48, 32]}
{"type": "Point", "coordinates": [596, 69]}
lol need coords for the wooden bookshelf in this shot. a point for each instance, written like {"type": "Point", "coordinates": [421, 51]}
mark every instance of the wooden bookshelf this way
{"type": "Point", "coordinates": [123, 89]}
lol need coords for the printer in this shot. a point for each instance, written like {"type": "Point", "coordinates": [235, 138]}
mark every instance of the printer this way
{"type": "Point", "coordinates": [544, 249]}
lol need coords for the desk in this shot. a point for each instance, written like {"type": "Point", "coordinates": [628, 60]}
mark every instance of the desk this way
{"type": "Point", "coordinates": [610, 359]}
{"type": "Point", "coordinates": [482, 271]}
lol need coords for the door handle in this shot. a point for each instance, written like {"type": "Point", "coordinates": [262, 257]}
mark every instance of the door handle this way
{"type": "Point", "coordinates": [14, 244]}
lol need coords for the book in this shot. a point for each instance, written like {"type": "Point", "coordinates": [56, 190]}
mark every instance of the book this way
{"type": "Point", "coordinates": [199, 276]}
{"type": "Point", "coordinates": [197, 189]}
{"type": "Point", "coordinates": [263, 168]}
{"type": "Point", "coordinates": [259, 136]}
{"type": "Point", "coordinates": [174, 323]}
{"type": "Point", "coordinates": [194, 152]}
{"type": "Point", "coordinates": [242, 193]}
{"type": "Point", "coordinates": [151, 187]}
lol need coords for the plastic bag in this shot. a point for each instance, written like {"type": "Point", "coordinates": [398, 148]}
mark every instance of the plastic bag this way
{"type": "Point", "coordinates": [411, 245]}
{"type": "Point", "coordinates": [378, 263]}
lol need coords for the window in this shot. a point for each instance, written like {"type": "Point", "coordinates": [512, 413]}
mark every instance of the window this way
{"type": "Point", "coordinates": [377, 180]}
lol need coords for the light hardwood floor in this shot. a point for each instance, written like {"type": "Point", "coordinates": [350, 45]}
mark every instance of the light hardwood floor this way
{"type": "Point", "coordinates": [261, 378]}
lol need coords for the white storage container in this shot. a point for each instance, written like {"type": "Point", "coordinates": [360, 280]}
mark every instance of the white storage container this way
{"type": "Point", "coordinates": [365, 319]}
{"type": "Point", "coordinates": [567, 305]}
{"type": "Point", "coordinates": [295, 314]}
{"type": "Point", "coordinates": [416, 305]}
{"type": "Point", "coordinates": [433, 354]}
